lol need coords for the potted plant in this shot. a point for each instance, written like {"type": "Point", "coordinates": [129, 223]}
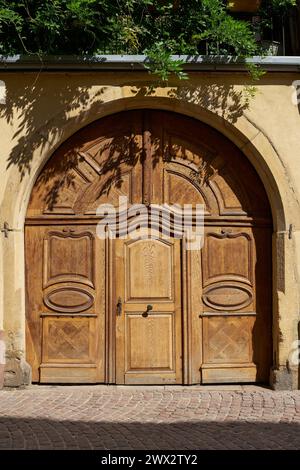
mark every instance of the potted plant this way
{"type": "Point", "coordinates": [270, 48]}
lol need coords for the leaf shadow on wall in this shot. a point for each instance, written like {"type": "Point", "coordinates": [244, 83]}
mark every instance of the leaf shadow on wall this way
{"type": "Point", "coordinates": [225, 100]}
{"type": "Point", "coordinates": [39, 111]}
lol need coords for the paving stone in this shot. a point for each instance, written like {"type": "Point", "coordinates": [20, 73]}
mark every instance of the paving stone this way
{"type": "Point", "coordinates": [160, 418]}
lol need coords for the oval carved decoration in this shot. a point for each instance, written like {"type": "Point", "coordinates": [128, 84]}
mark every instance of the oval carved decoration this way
{"type": "Point", "coordinates": [222, 296]}
{"type": "Point", "coordinates": [69, 300]}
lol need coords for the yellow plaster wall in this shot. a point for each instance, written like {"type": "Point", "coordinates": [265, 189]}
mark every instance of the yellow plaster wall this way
{"type": "Point", "coordinates": [43, 109]}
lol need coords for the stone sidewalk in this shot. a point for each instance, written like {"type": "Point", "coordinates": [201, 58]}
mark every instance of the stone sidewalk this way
{"type": "Point", "coordinates": [165, 418]}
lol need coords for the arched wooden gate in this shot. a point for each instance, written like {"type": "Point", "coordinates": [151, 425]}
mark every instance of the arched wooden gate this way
{"type": "Point", "coordinates": [87, 298]}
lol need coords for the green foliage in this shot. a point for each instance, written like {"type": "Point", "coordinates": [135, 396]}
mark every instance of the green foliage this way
{"type": "Point", "coordinates": [161, 63]}
{"type": "Point", "coordinates": [281, 4]}
{"type": "Point", "coordinates": [223, 32]}
{"type": "Point", "coordinates": [271, 9]}
{"type": "Point", "coordinates": [158, 28]}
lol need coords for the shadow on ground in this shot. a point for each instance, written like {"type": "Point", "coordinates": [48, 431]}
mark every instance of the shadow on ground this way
{"type": "Point", "coordinates": [66, 434]}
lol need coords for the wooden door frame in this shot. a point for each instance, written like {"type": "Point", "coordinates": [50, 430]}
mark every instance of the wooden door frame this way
{"type": "Point", "coordinates": [110, 316]}
{"type": "Point", "coordinates": [191, 322]}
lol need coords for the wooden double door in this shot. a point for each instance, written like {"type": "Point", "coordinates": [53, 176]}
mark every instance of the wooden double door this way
{"type": "Point", "coordinates": [148, 310]}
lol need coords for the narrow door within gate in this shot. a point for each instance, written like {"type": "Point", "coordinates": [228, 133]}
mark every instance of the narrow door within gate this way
{"type": "Point", "coordinates": [148, 311]}
{"type": "Point", "coordinates": [149, 331]}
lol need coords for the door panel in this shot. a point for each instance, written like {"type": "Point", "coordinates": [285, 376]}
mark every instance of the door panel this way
{"type": "Point", "coordinates": [227, 348]}
{"type": "Point", "coordinates": [65, 307]}
{"type": "Point", "coordinates": [230, 308]}
{"type": "Point", "coordinates": [148, 341]}
{"type": "Point", "coordinates": [144, 260]}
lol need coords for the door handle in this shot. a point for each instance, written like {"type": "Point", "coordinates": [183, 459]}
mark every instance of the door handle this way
{"type": "Point", "coordinates": [149, 308]}
{"type": "Point", "coordinates": [119, 307]}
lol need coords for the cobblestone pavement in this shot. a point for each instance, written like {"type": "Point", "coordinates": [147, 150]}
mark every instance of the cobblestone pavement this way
{"type": "Point", "coordinates": [166, 418]}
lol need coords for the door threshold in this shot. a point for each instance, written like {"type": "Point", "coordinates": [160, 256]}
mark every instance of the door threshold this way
{"type": "Point", "coordinates": [171, 388]}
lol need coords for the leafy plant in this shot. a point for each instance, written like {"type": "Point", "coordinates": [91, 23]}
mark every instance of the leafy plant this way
{"type": "Point", "coordinates": [161, 63]}
{"type": "Point", "coordinates": [158, 28]}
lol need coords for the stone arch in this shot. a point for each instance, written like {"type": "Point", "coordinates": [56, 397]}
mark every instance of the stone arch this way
{"type": "Point", "coordinates": [244, 133]}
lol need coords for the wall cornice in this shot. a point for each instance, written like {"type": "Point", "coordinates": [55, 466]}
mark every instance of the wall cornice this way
{"type": "Point", "coordinates": [20, 63]}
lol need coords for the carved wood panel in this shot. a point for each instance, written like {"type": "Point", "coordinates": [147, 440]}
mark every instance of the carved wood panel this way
{"type": "Point", "coordinates": [231, 312]}
{"type": "Point", "coordinates": [66, 340]}
{"type": "Point", "coordinates": [67, 302]}
{"type": "Point", "coordinates": [147, 348]}
{"type": "Point", "coordinates": [228, 253]}
{"type": "Point", "coordinates": [227, 339]}
{"type": "Point", "coordinates": [178, 189]}
{"type": "Point", "coordinates": [69, 299]}
{"type": "Point", "coordinates": [69, 257]}
{"type": "Point", "coordinates": [96, 166]}
{"type": "Point", "coordinates": [145, 279]}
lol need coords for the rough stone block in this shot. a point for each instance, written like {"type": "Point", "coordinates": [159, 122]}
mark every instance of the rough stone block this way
{"type": "Point", "coordinates": [2, 358]}
{"type": "Point", "coordinates": [17, 372]}
{"type": "Point", "coordinates": [284, 379]}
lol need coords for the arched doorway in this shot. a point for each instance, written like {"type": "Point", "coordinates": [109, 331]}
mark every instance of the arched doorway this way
{"type": "Point", "coordinates": [87, 298]}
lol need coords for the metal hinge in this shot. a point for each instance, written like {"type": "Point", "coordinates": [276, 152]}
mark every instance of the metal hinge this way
{"type": "Point", "coordinates": [6, 229]}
